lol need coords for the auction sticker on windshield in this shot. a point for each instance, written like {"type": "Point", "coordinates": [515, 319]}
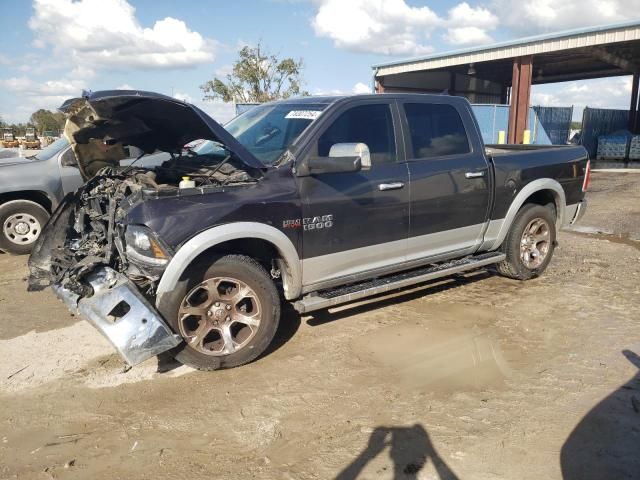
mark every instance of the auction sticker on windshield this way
{"type": "Point", "coordinates": [304, 114]}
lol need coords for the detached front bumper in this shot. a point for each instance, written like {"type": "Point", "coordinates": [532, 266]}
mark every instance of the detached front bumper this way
{"type": "Point", "coordinates": [122, 315]}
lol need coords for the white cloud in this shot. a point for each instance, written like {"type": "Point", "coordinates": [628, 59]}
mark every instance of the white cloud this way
{"type": "Point", "coordinates": [51, 88]}
{"type": "Point", "coordinates": [125, 86]}
{"type": "Point", "coordinates": [99, 34]}
{"type": "Point", "coordinates": [224, 70]}
{"type": "Point", "coordinates": [221, 112]}
{"type": "Point", "coordinates": [392, 27]}
{"type": "Point", "coordinates": [389, 27]}
{"type": "Point", "coordinates": [35, 95]}
{"type": "Point", "coordinates": [469, 25]}
{"type": "Point", "coordinates": [554, 15]}
{"type": "Point", "coordinates": [467, 36]}
{"type": "Point", "coordinates": [360, 88]}
{"type": "Point", "coordinates": [600, 93]}
{"type": "Point", "coordinates": [185, 97]}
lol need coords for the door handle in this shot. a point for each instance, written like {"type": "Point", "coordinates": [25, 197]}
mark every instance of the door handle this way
{"type": "Point", "coordinates": [479, 174]}
{"type": "Point", "coordinates": [390, 186]}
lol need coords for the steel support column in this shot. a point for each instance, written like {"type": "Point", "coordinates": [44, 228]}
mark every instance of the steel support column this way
{"type": "Point", "coordinates": [633, 107]}
{"type": "Point", "coordinates": [520, 94]}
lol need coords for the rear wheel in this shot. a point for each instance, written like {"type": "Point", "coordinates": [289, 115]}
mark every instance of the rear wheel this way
{"type": "Point", "coordinates": [21, 222]}
{"type": "Point", "coordinates": [529, 244]}
{"type": "Point", "coordinates": [227, 316]}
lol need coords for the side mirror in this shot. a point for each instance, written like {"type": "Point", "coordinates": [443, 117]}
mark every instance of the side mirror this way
{"type": "Point", "coordinates": [352, 150]}
{"type": "Point", "coordinates": [318, 165]}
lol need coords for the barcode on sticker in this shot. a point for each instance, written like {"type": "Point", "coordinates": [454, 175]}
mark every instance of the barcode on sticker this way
{"type": "Point", "coordinates": [304, 114]}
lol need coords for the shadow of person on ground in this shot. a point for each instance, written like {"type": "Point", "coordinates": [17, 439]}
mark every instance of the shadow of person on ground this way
{"type": "Point", "coordinates": [409, 448]}
{"type": "Point", "coordinates": [606, 442]}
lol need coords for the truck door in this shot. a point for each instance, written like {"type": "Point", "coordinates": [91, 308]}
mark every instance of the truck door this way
{"type": "Point", "coordinates": [356, 222]}
{"type": "Point", "coordinates": [449, 179]}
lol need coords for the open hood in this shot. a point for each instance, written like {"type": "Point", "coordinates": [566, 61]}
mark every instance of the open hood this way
{"type": "Point", "coordinates": [100, 124]}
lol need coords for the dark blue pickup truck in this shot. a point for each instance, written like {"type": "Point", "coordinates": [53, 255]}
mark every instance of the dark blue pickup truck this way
{"type": "Point", "coordinates": [317, 201]}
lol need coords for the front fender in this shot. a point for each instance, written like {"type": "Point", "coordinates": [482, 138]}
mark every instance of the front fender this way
{"type": "Point", "coordinates": [291, 273]}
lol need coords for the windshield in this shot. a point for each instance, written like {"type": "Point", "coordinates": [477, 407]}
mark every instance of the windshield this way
{"type": "Point", "coordinates": [51, 150]}
{"type": "Point", "coordinates": [268, 130]}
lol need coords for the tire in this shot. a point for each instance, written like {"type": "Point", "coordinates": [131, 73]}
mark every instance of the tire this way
{"type": "Point", "coordinates": [522, 262]}
{"type": "Point", "coordinates": [210, 308]}
{"type": "Point", "coordinates": [21, 222]}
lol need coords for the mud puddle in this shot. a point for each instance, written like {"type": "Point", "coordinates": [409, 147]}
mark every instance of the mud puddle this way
{"type": "Point", "coordinates": [450, 349]}
{"type": "Point", "coordinates": [602, 234]}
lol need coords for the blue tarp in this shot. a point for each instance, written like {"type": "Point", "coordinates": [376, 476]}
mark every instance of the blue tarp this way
{"type": "Point", "coordinates": [601, 121]}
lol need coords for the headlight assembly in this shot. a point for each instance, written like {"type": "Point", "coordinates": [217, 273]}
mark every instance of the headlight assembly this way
{"type": "Point", "coordinates": [144, 247]}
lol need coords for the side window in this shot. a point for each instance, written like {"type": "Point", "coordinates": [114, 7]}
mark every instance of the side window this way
{"type": "Point", "coordinates": [436, 130]}
{"type": "Point", "coordinates": [368, 124]}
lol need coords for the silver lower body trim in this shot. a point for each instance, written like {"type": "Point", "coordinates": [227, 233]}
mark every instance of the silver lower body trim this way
{"type": "Point", "coordinates": [333, 268]}
{"type": "Point", "coordinates": [122, 315]}
{"type": "Point", "coordinates": [384, 285]}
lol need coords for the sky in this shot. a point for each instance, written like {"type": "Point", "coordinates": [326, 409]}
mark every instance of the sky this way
{"type": "Point", "coordinates": [54, 49]}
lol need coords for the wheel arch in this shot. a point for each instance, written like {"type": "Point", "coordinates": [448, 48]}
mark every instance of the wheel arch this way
{"type": "Point", "coordinates": [247, 237]}
{"type": "Point", "coordinates": [540, 192]}
{"type": "Point", "coordinates": [35, 196]}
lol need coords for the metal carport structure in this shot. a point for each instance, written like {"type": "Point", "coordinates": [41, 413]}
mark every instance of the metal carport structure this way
{"type": "Point", "coordinates": [504, 72]}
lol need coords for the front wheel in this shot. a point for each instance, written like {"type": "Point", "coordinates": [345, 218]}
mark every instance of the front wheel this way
{"type": "Point", "coordinates": [227, 316]}
{"type": "Point", "coordinates": [530, 243]}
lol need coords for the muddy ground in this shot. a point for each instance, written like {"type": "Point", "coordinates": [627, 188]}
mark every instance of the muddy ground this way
{"type": "Point", "coordinates": [475, 377]}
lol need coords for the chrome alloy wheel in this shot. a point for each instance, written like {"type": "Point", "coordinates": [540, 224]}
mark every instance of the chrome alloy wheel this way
{"type": "Point", "coordinates": [219, 316]}
{"type": "Point", "coordinates": [535, 243]}
{"type": "Point", "coordinates": [21, 228]}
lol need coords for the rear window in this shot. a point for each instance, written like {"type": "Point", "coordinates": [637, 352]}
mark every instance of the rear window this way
{"type": "Point", "coordinates": [436, 130]}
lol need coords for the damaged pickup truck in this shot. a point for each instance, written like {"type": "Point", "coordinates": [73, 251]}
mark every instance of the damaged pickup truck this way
{"type": "Point", "coordinates": [317, 201]}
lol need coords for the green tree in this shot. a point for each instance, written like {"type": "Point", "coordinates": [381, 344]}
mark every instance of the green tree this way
{"type": "Point", "coordinates": [45, 120]}
{"type": "Point", "coordinates": [257, 77]}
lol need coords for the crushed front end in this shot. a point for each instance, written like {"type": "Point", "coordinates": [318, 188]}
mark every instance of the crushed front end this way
{"type": "Point", "coordinates": [98, 262]}
{"type": "Point", "coordinates": [96, 265]}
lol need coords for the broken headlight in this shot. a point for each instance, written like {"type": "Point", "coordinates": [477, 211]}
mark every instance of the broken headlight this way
{"type": "Point", "coordinates": [144, 247]}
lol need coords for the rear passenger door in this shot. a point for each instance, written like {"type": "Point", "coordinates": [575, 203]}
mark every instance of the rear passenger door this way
{"type": "Point", "coordinates": [364, 215]}
{"type": "Point", "coordinates": [449, 179]}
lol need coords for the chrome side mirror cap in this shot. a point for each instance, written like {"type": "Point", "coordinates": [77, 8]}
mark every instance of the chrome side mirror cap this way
{"type": "Point", "coordinates": [360, 150]}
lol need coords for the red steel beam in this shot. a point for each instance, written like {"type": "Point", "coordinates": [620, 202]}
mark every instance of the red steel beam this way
{"type": "Point", "coordinates": [520, 95]}
{"type": "Point", "coordinates": [513, 109]}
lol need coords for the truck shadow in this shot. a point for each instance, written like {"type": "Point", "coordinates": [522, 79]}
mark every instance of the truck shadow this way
{"type": "Point", "coordinates": [414, 292]}
{"type": "Point", "coordinates": [410, 449]}
{"type": "Point", "coordinates": [606, 442]}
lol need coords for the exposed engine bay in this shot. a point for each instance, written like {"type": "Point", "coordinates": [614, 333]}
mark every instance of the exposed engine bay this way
{"type": "Point", "coordinates": [91, 230]}
{"type": "Point", "coordinates": [100, 261]}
